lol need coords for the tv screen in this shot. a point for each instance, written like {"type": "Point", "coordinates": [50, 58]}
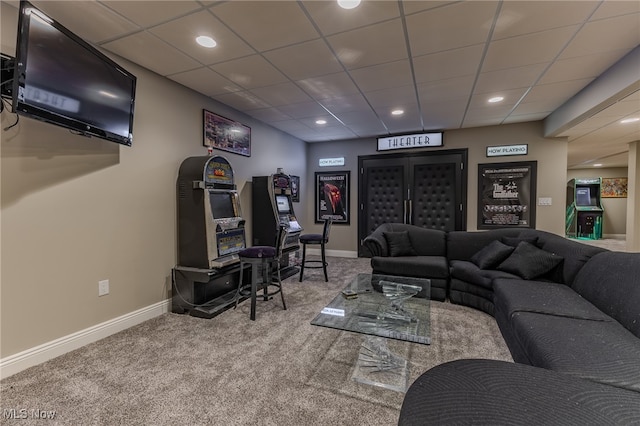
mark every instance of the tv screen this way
{"type": "Point", "coordinates": [282, 201]}
{"type": "Point", "coordinates": [61, 79]}
{"type": "Point", "coordinates": [583, 197]}
{"type": "Point", "coordinates": [222, 205]}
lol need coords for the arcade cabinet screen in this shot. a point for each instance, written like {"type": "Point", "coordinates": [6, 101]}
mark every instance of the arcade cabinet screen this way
{"type": "Point", "coordinates": [283, 204]}
{"type": "Point", "coordinates": [583, 197]}
{"type": "Point", "coordinates": [222, 205]}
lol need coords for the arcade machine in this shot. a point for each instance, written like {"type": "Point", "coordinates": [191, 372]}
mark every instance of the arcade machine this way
{"type": "Point", "coordinates": [584, 209]}
{"type": "Point", "coordinates": [210, 235]}
{"type": "Point", "coordinates": [272, 207]}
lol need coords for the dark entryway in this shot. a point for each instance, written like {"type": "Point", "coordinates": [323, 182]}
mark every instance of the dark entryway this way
{"type": "Point", "coordinates": [427, 189]}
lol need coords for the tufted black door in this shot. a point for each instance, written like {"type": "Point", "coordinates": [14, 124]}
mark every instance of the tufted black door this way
{"type": "Point", "coordinates": [427, 190]}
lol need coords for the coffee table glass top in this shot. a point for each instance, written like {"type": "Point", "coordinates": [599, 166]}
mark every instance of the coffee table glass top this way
{"type": "Point", "coordinates": [381, 305]}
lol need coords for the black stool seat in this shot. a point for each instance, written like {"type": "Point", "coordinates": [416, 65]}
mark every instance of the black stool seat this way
{"type": "Point", "coordinates": [317, 239]}
{"type": "Point", "coordinates": [258, 252]}
{"type": "Point", "coordinates": [267, 259]}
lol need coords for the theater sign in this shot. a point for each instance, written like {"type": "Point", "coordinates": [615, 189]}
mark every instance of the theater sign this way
{"type": "Point", "coordinates": [417, 140]}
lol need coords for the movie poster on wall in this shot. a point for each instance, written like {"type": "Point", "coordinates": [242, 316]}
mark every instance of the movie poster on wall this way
{"type": "Point", "coordinates": [332, 196]}
{"type": "Point", "coordinates": [506, 195]}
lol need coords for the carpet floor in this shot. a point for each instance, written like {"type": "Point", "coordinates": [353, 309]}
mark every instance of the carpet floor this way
{"type": "Point", "coordinates": [279, 370]}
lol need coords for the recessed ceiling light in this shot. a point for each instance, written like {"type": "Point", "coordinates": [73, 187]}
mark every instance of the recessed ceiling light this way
{"type": "Point", "coordinates": [597, 165]}
{"type": "Point", "coordinates": [629, 120]}
{"type": "Point", "coordinates": [206, 41]}
{"type": "Point", "coordinates": [348, 4]}
{"type": "Point", "coordinates": [495, 99]}
{"type": "Point", "coordinates": [321, 121]}
{"type": "Point", "coordinates": [397, 112]}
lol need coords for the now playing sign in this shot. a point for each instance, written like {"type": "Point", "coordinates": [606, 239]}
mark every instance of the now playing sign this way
{"type": "Point", "coordinates": [498, 151]}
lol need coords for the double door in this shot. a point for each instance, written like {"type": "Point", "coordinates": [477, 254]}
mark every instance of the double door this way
{"type": "Point", "coordinates": [427, 190]}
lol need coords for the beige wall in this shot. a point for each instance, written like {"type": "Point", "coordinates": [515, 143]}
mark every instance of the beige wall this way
{"type": "Point", "coordinates": [77, 210]}
{"type": "Point", "coordinates": [551, 155]}
{"type": "Point", "coordinates": [615, 209]}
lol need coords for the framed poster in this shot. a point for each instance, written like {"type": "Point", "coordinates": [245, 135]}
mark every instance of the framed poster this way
{"type": "Point", "coordinates": [225, 134]}
{"type": "Point", "coordinates": [506, 195]}
{"type": "Point", "coordinates": [614, 187]}
{"type": "Point", "coordinates": [295, 188]}
{"type": "Point", "coordinates": [332, 197]}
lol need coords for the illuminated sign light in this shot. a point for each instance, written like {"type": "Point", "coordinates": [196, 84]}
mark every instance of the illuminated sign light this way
{"type": "Point", "coordinates": [498, 151]}
{"type": "Point", "coordinates": [417, 140]}
{"type": "Point", "coordinates": [328, 162]}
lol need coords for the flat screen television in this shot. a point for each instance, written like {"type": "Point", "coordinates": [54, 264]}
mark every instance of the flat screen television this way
{"type": "Point", "coordinates": [63, 80]}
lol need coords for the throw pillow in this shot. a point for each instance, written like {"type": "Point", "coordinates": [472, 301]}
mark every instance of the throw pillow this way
{"type": "Point", "coordinates": [399, 244]}
{"type": "Point", "coordinates": [529, 262]}
{"type": "Point", "coordinates": [514, 241]}
{"type": "Point", "coordinates": [492, 255]}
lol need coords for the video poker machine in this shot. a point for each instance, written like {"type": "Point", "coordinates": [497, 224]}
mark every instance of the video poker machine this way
{"type": "Point", "coordinates": [211, 232]}
{"type": "Point", "coordinates": [271, 207]}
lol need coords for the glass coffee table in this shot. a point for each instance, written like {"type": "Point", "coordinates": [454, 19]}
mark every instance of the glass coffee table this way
{"type": "Point", "coordinates": [381, 307]}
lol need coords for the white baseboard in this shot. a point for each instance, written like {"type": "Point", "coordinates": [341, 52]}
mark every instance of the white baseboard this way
{"type": "Point", "coordinates": [15, 363]}
{"type": "Point", "coordinates": [335, 253]}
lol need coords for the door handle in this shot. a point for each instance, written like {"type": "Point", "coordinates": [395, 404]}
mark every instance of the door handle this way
{"type": "Point", "coordinates": [410, 217]}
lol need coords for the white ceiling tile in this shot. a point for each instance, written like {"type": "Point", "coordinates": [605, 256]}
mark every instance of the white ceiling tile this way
{"type": "Point", "coordinates": [557, 91]}
{"type": "Point", "coordinates": [266, 25]}
{"type": "Point", "coordinates": [392, 97]}
{"type": "Point", "coordinates": [98, 23]}
{"type": "Point", "coordinates": [448, 64]}
{"type": "Point", "coordinates": [358, 117]}
{"type": "Point", "coordinates": [450, 27]}
{"type": "Point", "coordinates": [375, 44]}
{"type": "Point", "coordinates": [182, 34]}
{"type": "Point", "coordinates": [443, 114]}
{"type": "Point", "coordinates": [269, 115]}
{"type": "Point", "coordinates": [581, 67]}
{"type": "Point", "coordinates": [345, 103]}
{"type": "Point", "coordinates": [524, 17]}
{"type": "Point", "coordinates": [496, 81]}
{"type": "Point", "coordinates": [526, 49]}
{"type": "Point", "coordinates": [332, 19]}
{"type": "Point", "coordinates": [281, 94]}
{"type": "Point", "coordinates": [152, 53]}
{"type": "Point", "coordinates": [384, 76]}
{"type": "Point", "coordinates": [328, 86]}
{"type": "Point", "coordinates": [511, 97]}
{"type": "Point", "coordinates": [446, 90]}
{"type": "Point", "coordinates": [303, 110]}
{"type": "Point", "coordinates": [250, 72]}
{"type": "Point", "coordinates": [242, 101]}
{"type": "Point", "coordinates": [413, 6]}
{"type": "Point", "coordinates": [205, 81]}
{"type": "Point", "coordinates": [609, 9]}
{"type": "Point", "coordinates": [604, 35]}
{"type": "Point", "coordinates": [148, 13]}
{"type": "Point", "coordinates": [309, 59]}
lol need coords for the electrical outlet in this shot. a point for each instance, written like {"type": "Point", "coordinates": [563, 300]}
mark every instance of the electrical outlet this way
{"type": "Point", "coordinates": [103, 287]}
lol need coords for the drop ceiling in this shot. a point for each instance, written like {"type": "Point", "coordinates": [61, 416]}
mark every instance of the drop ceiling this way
{"type": "Point", "coordinates": [291, 63]}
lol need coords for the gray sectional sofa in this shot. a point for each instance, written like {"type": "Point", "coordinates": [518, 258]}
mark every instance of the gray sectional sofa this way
{"type": "Point", "coordinates": [569, 313]}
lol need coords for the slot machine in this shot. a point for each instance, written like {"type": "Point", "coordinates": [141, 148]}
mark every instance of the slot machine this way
{"type": "Point", "coordinates": [271, 207]}
{"type": "Point", "coordinates": [210, 224]}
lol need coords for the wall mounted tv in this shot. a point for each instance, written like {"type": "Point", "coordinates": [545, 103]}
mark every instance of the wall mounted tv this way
{"type": "Point", "coordinates": [63, 80]}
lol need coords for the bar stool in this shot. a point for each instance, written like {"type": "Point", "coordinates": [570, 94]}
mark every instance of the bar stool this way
{"type": "Point", "coordinates": [316, 239]}
{"type": "Point", "coordinates": [265, 258]}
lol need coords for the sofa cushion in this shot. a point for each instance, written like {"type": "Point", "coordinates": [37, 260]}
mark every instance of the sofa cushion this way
{"type": "Point", "coordinates": [601, 351]}
{"type": "Point", "coordinates": [489, 392]}
{"type": "Point", "coordinates": [611, 281]}
{"type": "Point", "coordinates": [412, 266]}
{"type": "Point", "coordinates": [399, 244]}
{"type": "Point", "coordinates": [469, 272]}
{"type": "Point", "coordinates": [491, 255]}
{"type": "Point", "coordinates": [528, 261]}
{"type": "Point", "coordinates": [511, 296]}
